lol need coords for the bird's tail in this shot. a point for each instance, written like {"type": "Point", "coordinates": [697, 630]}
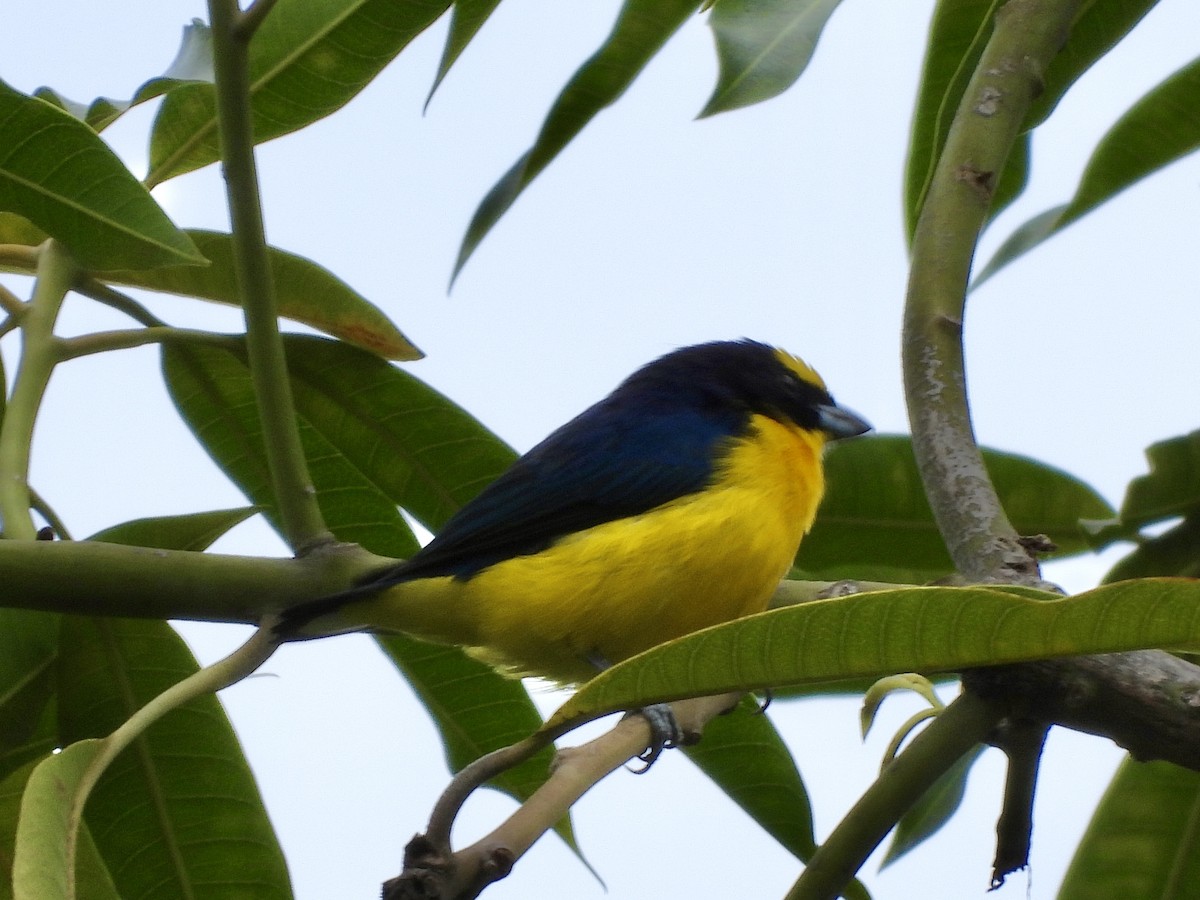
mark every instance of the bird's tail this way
{"type": "Point", "coordinates": [427, 608]}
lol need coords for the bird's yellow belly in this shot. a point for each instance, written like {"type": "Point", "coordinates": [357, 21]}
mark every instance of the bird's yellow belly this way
{"type": "Point", "coordinates": [613, 590]}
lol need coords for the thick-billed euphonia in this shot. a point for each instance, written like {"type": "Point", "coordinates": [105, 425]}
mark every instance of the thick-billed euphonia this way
{"type": "Point", "coordinates": [675, 503]}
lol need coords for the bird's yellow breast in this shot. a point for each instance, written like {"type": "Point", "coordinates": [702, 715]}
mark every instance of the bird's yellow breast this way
{"type": "Point", "coordinates": [610, 591]}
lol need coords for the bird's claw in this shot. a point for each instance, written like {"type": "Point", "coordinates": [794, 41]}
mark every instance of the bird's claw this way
{"type": "Point", "coordinates": [665, 733]}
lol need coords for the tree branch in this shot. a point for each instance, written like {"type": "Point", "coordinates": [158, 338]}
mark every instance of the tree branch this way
{"type": "Point", "coordinates": [432, 869]}
{"type": "Point", "coordinates": [55, 272]}
{"type": "Point", "coordinates": [982, 542]}
{"type": "Point", "coordinates": [300, 517]}
{"type": "Point", "coordinates": [99, 579]}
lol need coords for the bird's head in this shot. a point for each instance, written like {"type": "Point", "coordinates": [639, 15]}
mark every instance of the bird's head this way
{"type": "Point", "coordinates": [746, 377]}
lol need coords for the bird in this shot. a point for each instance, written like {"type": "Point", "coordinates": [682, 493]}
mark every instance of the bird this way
{"type": "Point", "coordinates": [675, 503]}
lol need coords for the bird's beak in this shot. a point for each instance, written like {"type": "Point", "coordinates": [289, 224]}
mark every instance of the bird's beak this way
{"type": "Point", "coordinates": [839, 422]}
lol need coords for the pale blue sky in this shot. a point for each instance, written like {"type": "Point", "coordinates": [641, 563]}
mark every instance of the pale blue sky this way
{"type": "Point", "coordinates": [781, 222]}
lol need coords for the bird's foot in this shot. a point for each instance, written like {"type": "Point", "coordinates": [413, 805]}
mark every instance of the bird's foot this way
{"type": "Point", "coordinates": [665, 733]}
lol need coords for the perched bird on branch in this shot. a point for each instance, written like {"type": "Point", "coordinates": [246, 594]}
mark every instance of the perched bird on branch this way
{"type": "Point", "coordinates": [675, 503]}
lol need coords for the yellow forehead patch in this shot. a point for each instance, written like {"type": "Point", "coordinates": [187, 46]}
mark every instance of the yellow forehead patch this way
{"type": "Point", "coordinates": [800, 367]}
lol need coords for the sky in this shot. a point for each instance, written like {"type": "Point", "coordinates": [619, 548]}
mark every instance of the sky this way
{"type": "Point", "coordinates": [653, 230]}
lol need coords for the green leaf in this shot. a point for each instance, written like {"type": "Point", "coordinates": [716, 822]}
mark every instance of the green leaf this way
{"type": "Point", "coordinates": [305, 292]}
{"type": "Point", "coordinates": [57, 173]}
{"type": "Point", "coordinates": [375, 437]}
{"type": "Point", "coordinates": [1156, 131]}
{"type": "Point", "coordinates": [44, 823]}
{"type": "Point", "coordinates": [744, 754]}
{"type": "Point", "coordinates": [178, 813]}
{"type": "Point", "coordinates": [1174, 552]}
{"type": "Point", "coordinates": [640, 31]}
{"type": "Point", "coordinates": [192, 820]}
{"type": "Point", "coordinates": [212, 390]}
{"type": "Point", "coordinates": [28, 650]}
{"type": "Point", "coordinates": [933, 810]}
{"type": "Point", "coordinates": [476, 711]}
{"type": "Point", "coordinates": [763, 47]}
{"type": "Point", "coordinates": [1172, 487]}
{"type": "Point", "coordinates": [466, 19]}
{"type": "Point", "coordinates": [1142, 840]}
{"type": "Point", "coordinates": [905, 630]}
{"type": "Point", "coordinates": [1098, 27]}
{"type": "Point", "coordinates": [193, 62]}
{"type": "Point", "coordinates": [195, 531]}
{"type": "Point", "coordinates": [958, 34]}
{"type": "Point", "coordinates": [308, 60]}
{"type": "Point", "coordinates": [875, 523]}
{"type": "Point", "coordinates": [1170, 490]}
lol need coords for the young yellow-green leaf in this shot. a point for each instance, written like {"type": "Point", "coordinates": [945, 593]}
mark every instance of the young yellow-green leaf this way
{"type": "Point", "coordinates": [763, 47]}
{"type": "Point", "coordinates": [305, 292]}
{"type": "Point", "coordinates": [1142, 840]}
{"type": "Point", "coordinates": [466, 19]}
{"type": "Point", "coordinates": [375, 437]}
{"type": "Point", "coordinates": [1159, 129]}
{"type": "Point", "coordinates": [922, 629]}
{"type": "Point", "coordinates": [193, 62]}
{"type": "Point", "coordinates": [307, 60]}
{"type": "Point", "coordinates": [642, 28]}
{"type": "Point", "coordinates": [875, 523]}
{"type": "Point", "coordinates": [879, 691]}
{"type": "Point", "coordinates": [57, 173]}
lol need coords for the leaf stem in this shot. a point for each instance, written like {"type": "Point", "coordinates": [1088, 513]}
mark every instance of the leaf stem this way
{"type": "Point", "coordinates": [111, 297]}
{"type": "Point", "coordinates": [299, 515]}
{"type": "Point", "coordinates": [253, 17]}
{"type": "Point", "coordinates": [11, 303]}
{"type": "Point", "coordinates": [958, 728]}
{"type": "Point", "coordinates": [55, 272]}
{"type": "Point", "coordinates": [123, 339]}
{"type": "Point", "coordinates": [1027, 35]}
{"type": "Point", "coordinates": [18, 258]}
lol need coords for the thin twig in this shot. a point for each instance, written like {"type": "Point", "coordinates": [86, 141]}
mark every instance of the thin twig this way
{"type": "Point", "coordinates": [46, 511]}
{"type": "Point", "coordinates": [252, 18]}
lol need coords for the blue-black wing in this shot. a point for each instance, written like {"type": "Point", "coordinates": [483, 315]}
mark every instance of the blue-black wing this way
{"type": "Point", "coordinates": [610, 462]}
